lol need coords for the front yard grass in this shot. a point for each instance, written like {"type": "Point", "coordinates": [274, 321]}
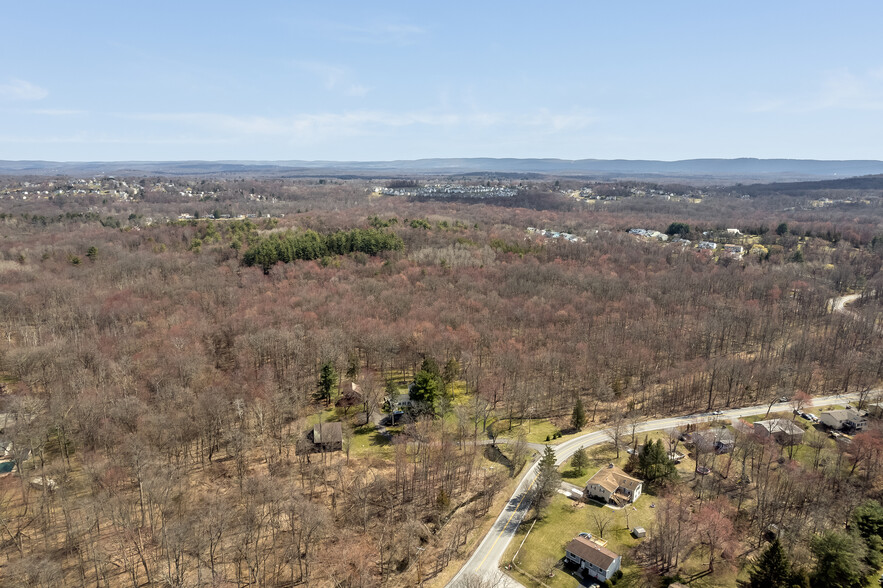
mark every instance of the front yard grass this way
{"type": "Point", "coordinates": [535, 430]}
{"type": "Point", "coordinates": [562, 521]}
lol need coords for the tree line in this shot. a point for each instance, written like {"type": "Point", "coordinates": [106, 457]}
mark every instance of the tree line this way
{"type": "Point", "coordinates": [308, 245]}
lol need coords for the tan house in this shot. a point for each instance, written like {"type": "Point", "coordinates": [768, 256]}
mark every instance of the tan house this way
{"type": "Point", "coordinates": [350, 395]}
{"type": "Point", "coordinates": [783, 431]}
{"type": "Point", "coordinates": [612, 485]}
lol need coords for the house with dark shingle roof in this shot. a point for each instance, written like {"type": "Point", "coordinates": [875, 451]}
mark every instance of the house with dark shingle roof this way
{"type": "Point", "coordinates": [592, 559]}
{"type": "Point", "coordinates": [327, 437]}
{"type": "Point", "coordinates": [782, 430]}
{"type": "Point", "coordinates": [718, 439]}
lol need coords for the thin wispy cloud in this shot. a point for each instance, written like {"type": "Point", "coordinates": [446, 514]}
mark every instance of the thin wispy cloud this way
{"type": "Point", "coordinates": [56, 112]}
{"type": "Point", "coordinates": [846, 90]}
{"type": "Point", "coordinates": [334, 77]}
{"type": "Point", "coordinates": [86, 138]}
{"type": "Point", "coordinates": [368, 122]}
{"type": "Point", "coordinates": [375, 32]}
{"type": "Point", "coordinates": [16, 89]}
{"type": "Point", "coordinates": [835, 90]}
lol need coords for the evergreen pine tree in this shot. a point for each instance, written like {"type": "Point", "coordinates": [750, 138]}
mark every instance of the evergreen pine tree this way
{"type": "Point", "coordinates": [579, 461]}
{"type": "Point", "coordinates": [839, 560]}
{"type": "Point", "coordinates": [654, 463]}
{"type": "Point", "coordinates": [578, 419]}
{"type": "Point", "coordinates": [424, 391]}
{"type": "Point", "coordinates": [327, 381]}
{"type": "Point", "coordinates": [772, 569]}
{"type": "Point", "coordinates": [547, 480]}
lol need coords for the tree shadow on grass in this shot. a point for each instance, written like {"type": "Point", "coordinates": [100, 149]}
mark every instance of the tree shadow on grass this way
{"type": "Point", "coordinates": [493, 453]}
{"type": "Point", "coordinates": [572, 473]}
{"type": "Point", "coordinates": [379, 439]}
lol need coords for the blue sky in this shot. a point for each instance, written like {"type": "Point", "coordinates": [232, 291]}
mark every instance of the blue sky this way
{"type": "Point", "coordinates": [88, 80]}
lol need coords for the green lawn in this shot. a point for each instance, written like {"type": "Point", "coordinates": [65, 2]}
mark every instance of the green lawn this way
{"type": "Point", "coordinates": [535, 430]}
{"type": "Point", "coordinates": [563, 520]}
{"type": "Point", "coordinates": [328, 414]}
{"type": "Point", "coordinates": [601, 455]}
{"type": "Point", "coordinates": [773, 415]}
{"type": "Point", "coordinates": [367, 441]}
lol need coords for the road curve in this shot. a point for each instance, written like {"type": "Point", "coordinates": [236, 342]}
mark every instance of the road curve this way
{"type": "Point", "coordinates": [485, 562]}
{"type": "Point", "coordinates": [838, 304]}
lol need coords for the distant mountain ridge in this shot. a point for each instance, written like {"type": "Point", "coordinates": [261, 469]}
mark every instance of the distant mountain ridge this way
{"type": "Point", "coordinates": [698, 168]}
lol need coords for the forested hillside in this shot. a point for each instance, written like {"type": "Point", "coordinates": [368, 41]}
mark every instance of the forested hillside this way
{"type": "Point", "coordinates": [161, 372]}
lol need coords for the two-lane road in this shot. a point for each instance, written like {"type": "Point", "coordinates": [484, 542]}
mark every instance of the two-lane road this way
{"type": "Point", "coordinates": [485, 562]}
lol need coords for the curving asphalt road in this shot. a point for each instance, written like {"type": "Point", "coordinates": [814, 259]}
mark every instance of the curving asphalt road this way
{"type": "Point", "coordinates": [485, 562]}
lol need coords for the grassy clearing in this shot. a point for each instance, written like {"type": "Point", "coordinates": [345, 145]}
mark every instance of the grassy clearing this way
{"type": "Point", "coordinates": [366, 441]}
{"type": "Point", "coordinates": [773, 415]}
{"type": "Point", "coordinates": [535, 430]}
{"type": "Point", "coordinates": [563, 520]}
{"type": "Point", "coordinates": [459, 396]}
{"type": "Point", "coordinates": [599, 456]}
{"type": "Point", "coordinates": [328, 414]}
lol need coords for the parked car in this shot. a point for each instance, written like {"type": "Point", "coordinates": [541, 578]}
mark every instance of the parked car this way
{"type": "Point", "coordinates": [716, 412]}
{"type": "Point", "coordinates": [806, 416]}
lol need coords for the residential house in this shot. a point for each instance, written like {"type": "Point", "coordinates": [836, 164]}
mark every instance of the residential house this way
{"type": "Point", "coordinates": [710, 245]}
{"type": "Point", "coordinates": [649, 233]}
{"type": "Point", "coordinates": [847, 419]}
{"type": "Point", "coordinates": [400, 401]}
{"type": "Point", "coordinates": [735, 250]}
{"type": "Point", "coordinates": [327, 437]}
{"type": "Point", "coordinates": [592, 559]}
{"type": "Point", "coordinates": [718, 439]}
{"type": "Point", "coordinates": [785, 432]}
{"type": "Point", "coordinates": [350, 395]}
{"type": "Point", "coordinates": [612, 485]}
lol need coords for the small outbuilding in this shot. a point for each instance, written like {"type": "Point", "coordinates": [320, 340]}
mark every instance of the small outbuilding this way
{"type": "Point", "coordinates": [639, 532]}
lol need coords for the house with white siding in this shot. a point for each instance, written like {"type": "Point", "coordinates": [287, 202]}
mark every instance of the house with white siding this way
{"type": "Point", "coordinates": [592, 559]}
